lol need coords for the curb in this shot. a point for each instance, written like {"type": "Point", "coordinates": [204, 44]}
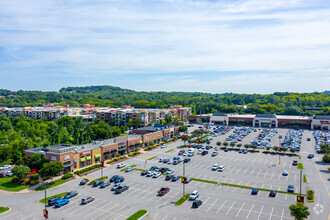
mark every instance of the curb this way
{"type": "Point", "coordinates": [6, 211]}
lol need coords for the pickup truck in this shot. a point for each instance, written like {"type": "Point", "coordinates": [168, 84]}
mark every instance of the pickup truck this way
{"type": "Point", "coordinates": [163, 191]}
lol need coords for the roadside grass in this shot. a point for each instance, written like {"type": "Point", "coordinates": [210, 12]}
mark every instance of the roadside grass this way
{"type": "Point", "coordinates": [305, 179]}
{"type": "Point", "coordinates": [50, 197]}
{"type": "Point", "coordinates": [151, 158]}
{"type": "Point", "coordinates": [5, 184]}
{"type": "Point", "coordinates": [56, 183]}
{"type": "Point", "coordinates": [182, 199]}
{"type": "Point", "coordinates": [169, 150]}
{"type": "Point", "coordinates": [122, 170]}
{"type": "Point", "coordinates": [310, 196]}
{"type": "Point", "coordinates": [3, 209]}
{"type": "Point", "coordinates": [300, 166]}
{"type": "Point", "coordinates": [137, 215]}
{"type": "Point", "coordinates": [261, 189]}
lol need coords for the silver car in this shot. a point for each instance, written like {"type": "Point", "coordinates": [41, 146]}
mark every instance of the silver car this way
{"type": "Point", "coordinates": [87, 199]}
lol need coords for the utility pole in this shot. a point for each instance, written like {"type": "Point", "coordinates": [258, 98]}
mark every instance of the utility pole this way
{"type": "Point", "coordinates": [184, 176]}
{"type": "Point", "coordinates": [102, 168]}
{"type": "Point", "coordinates": [279, 145]}
{"type": "Point", "coordinates": [300, 181]}
{"type": "Point", "coordinates": [46, 215]}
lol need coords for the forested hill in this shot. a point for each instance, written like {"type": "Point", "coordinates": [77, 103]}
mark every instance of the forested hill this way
{"type": "Point", "coordinates": [278, 102]}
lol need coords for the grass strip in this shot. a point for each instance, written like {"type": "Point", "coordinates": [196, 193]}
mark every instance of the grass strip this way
{"type": "Point", "coordinates": [152, 158]}
{"type": "Point", "coordinates": [137, 215]}
{"type": "Point", "coordinates": [48, 186]}
{"type": "Point", "coordinates": [138, 169]}
{"type": "Point", "coordinates": [261, 189]}
{"type": "Point", "coordinates": [50, 197]}
{"type": "Point", "coordinates": [3, 209]}
{"type": "Point", "coordinates": [310, 196]}
{"type": "Point", "coordinates": [182, 199]}
{"type": "Point", "coordinates": [6, 184]}
{"type": "Point", "coordinates": [102, 178]}
{"type": "Point", "coordinates": [305, 179]}
{"type": "Point", "coordinates": [205, 181]}
{"type": "Point", "coordinates": [169, 151]}
{"type": "Point", "coordinates": [300, 166]}
{"type": "Point", "coordinates": [122, 170]}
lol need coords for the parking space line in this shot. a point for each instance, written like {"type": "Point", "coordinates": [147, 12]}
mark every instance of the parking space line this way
{"type": "Point", "coordinates": [212, 205]}
{"type": "Point", "coordinates": [279, 176]}
{"type": "Point", "coordinates": [165, 217]}
{"type": "Point", "coordinates": [124, 213]}
{"type": "Point", "coordinates": [230, 207]}
{"type": "Point", "coordinates": [271, 213]}
{"type": "Point", "coordinates": [258, 173]}
{"type": "Point", "coordinates": [205, 202]}
{"type": "Point", "coordinates": [240, 209]}
{"type": "Point", "coordinates": [273, 174]}
{"type": "Point", "coordinates": [260, 212]}
{"type": "Point", "coordinates": [221, 206]}
{"type": "Point", "coordinates": [282, 214]}
{"type": "Point", "coordinates": [250, 211]}
{"type": "Point", "coordinates": [259, 161]}
{"type": "Point", "coordinates": [251, 172]}
{"type": "Point", "coordinates": [266, 173]}
{"type": "Point", "coordinates": [295, 175]}
{"type": "Point", "coordinates": [238, 170]}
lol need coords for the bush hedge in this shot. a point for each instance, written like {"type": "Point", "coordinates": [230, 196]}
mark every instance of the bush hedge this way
{"type": "Point", "coordinates": [35, 176]}
{"type": "Point", "coordinates": [101, 178]}
{"type": "Point", "coordinates": [67, 176]}
{"type": "Point", "coordinates": [310, 196]}
{"type": "Point", "coordinates": [182, 199]}
{"type": "Point", "coordinates": [134, 153]}
{"type": "Point", "coordinates": [78, 172]}
{"type": "Point", "coordinates": [34, 182]}
{"type": "Point", "coordinates": [116, 159]}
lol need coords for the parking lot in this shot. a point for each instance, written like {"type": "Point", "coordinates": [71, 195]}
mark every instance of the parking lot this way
{"type": "Point", "coordinates": [219, 201]}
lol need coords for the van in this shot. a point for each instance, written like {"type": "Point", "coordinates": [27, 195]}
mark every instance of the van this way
{"type": "Point", "coordinates": [194, 195]}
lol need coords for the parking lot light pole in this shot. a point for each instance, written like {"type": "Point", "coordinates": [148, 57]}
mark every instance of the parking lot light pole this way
{"type": "Point", "coordinates": [45, 200]}
{"type": "Point", "coordinates": [279, 145]}
{"type": "Point", "coordinates": [102, 168]}
{"type": "Point", "coordinates": [300, 181]}
{"type": "Point", "coordinates": [184, 175]}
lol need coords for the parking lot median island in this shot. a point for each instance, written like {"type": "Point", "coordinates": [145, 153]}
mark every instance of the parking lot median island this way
{"type": "Point", "coordinates": [4, 209]}
{"type": "Point", "coordinates": [137, 215]}
{"type": "Point", "coordinates": [305, 179]}
{"type": "Point", "coordinates": [51, 185]}
{"type": "Point", "coordinates": [169, 151]}
{"type": "Point", "coordinates": [151, 158]}
{"type": "Point", "coordinates": [182, 199]}
{"type": "Point", "coordinates": [6, 184]}
{"type": "Point", "coordinates": [134, 153]}
{"type": "Point", "coordinates": [102, 178]}
{"type": "Point", "coordinates": [206, 181]}
{"type": "Point", "coordinates": [139, 169]}
{"type": "Point", "coordinates": [300, 166]}
{"type": "Point", "coordinates": [50, 197]}
{"type": "Point", "coordinates": [310, 196]}
{"type": "Point", "coordinates": [122, 170]}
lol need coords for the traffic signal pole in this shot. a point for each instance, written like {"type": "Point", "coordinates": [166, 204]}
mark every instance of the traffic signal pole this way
{"type": "Point", "coordinates": [184, 175]}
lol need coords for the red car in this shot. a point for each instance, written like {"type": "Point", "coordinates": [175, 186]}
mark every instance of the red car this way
{"type": "Point", "coordinates": [163, 191]}
{"type": "Point", "coordinates": [181, 152]}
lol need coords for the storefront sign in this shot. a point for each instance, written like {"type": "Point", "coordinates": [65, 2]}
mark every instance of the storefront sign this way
{"type": "Point", "coordinates": [67, 157]}
{"type": "Point", "coordinates": [121, 143]}
{"type": "Point", "coordinates": [108, 149]}
{"type": "Point", "coordinates": [325, 122]}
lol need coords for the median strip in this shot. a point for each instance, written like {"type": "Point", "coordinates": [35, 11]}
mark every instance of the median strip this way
{"type": "Point", "coordinates": [137, 215]}
{"type": "Point", "coordinates": [151, 158]}
{"type": "Point", "coordinates": [50, 197]}
{"type": "Point", "coordinates": [169, 151]}
{"type": "Point", "coordinates": [300, 166]}
{"type": "Point", "coordinates": [122, 170]}
{"type": "Point", "coordinates": [182, 199]}
{"type": "Point", "coordinates": [4, 209]}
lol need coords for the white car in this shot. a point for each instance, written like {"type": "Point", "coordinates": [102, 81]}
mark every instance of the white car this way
{"type": "Point", "coordinates": [161, 160]}
{"type": "Point", "coordinates": [9, 173]}
{"type": "Point", "coordinates": [215, 167]}
{"type": "Point", "coordinates": [194, 195]}
{"type": "Point", "coordinates": [170, 171]}
{"type": "Point", "coordinates": [163, 146]}
{"type": "Point", "coordinates": [150, 173]}
{"type": "Point", "coordinates": [156, 174]}
{"type": "Point", "coordinates": [222, 168]}
{"type": "Point", "coordinates": [185, 154]}
{"type": "Point", "coordinates": [5, 167]}
{"type": "Point", "coordinates": [170, 162]}
{"type": "Point", "coordinates": [121, 165]}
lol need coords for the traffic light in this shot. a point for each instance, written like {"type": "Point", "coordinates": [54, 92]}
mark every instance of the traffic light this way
{"type": "Point", "coordinates": [184, 180]}
{"type": "Point", "coordinates": [45, 213]}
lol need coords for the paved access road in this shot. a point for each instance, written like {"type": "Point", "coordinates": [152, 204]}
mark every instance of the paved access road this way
{"type": "Point", "coordinates": [219, 202]}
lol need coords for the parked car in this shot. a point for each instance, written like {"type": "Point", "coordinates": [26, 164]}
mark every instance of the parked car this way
{"type": "Point", "coordinates": [121, 189]}
{"type": "Point", "coordinates": [163, 146]}
{"type": "Point", "coordinates": [150, 173]}
{"type": "Point", "coordinates": [194, 195]}
{"type": "Point", "coordinates": [291, 188]}
{"type": "Point", "coordinates": [245, 151]}
{"type": "Point", "coordinates": [226, 149]}
{"type": "Point", "coordinates": [240, 151]}
{"type": "Point", "coordinates": [169, 177]}
{"type": "Point", "coordinates": [70, 194]}
{"type": "Point", "coordinates": [129, 169]}
{"type": "Point", "coordinates": [84, 181]}
{"type": "Point", "coordinates": [208, 147]}
{"type": "Point", "coordinates": [97, 183]}
{"type": "Point", "coordinates": [216, 148]}
{"type": "Point", "coordinates": [9, 173]}
{"type": "Point", "coordinates": [165, 160]}
{"type": "Point", "coordinates": [254, 191]}
{"type": "Point", "coordinates": [170, 171]}
{"type": "Point", "coordinates": [205, 152]}
{"type": "Point", "coordinates": [186, 160]}
{"type": "Point", "coordinates": [2, 175]}
{"type": "Point", "coordinates": [214, 153]}
{"type": "Point", "coordinates": [285, 173]}
{"type": "Point", "coordinates": [143, 173]}
{"type": "Point", "coordinates": [61, 202]}
{"type": "Point", "coordinates": [161, 160]}
{"type": "Point", "coordinates": [215, 167]}
{"type": "Point", "coordinates": [169, 161]}
{"type": "Point", "coordinates": [188, 180]}
{"type": "Point", "coordinates": [121, 165]}
{"type": "Point", "coordinates": [163, 191]}
{"type": "Point", "coordinates": [104, 184]}
{"type": "Point", "coordinates": [308, 139]}
{"type": "Point", "coordinates": [175, 178]}
{"type": "Point", "coordinates": [115, 186]}
{"type": "Point", "coordinates": [185, 154]}
{"type": "Point", "coordinates": [272, 193]}
{"type": "Point", "coordinates": [310, 156]}
{"type": "Point", "coordinates": [156, 174]}
{"type": "Point", "coordinates": [163, 169]}
{"type": "Point", "coordinates": [222, 168]}
{"type": "Point", "coordinates": [87, 199]}
{"type": "Point", "coordinates": [52, 201]}
{"type": "Point", "coordinates": [181, 152]}
{"type": "Point", "coordinates": [119, 179]}
{"type": "Point", "coordinates": [7, 166]}
{"type": "Point", "coordinates": [196, 203]}
{"type": "Point", "coordinates": [113, 179]}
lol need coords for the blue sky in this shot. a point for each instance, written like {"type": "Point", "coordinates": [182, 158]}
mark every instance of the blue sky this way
{"type": "Point", "coordinates": [242, 46]}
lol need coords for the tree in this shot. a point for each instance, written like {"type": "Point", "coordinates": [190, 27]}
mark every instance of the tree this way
{"type": "Point", "coordinates": [36, 161]}
{"type": "Point", "coordinates": [292, 150]}
{"type": "Point", "coordinates": [185, 138]}
{"type": "Point", "coordinates": [218, 143]}
{"type": "Point", "coordinates": [137, 123]}
{"type": "Point", "coordinates": [169, 119]}
{"type": "Point", "coordinates": [51, 169]}
{"type": "Point", "coordinates": [326, 158]}
{"type": "Point", "coordinates": [232, 144]}
{"type": "Point", "coordinates": [225, 144]}
{"type": "Point", "coordinates": [183, 128]}
{"type": "Point", "coordinates": [239, 145]}
{"type": "Point", "coordinates": [21, 171]}
{"type": "Point", "coordinates": [299, 211]}
{"type": "Point", "coordinates": [246, 146]}
{"type": "Point", "coordinates": [130, 123]}
{"type": "Point", "coordinates": [208, 142]}
{"type": "Point", "coordinates": [284, 149]}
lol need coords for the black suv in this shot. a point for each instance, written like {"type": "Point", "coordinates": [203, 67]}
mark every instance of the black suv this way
{"type": "Point", "coordinates": [121, 189]}
{"type": "Point", "coordinates": [119, 179]}
{"type": "Point", "coordinates": [52, 201]}
{"type": "Point", "coordinates": [186, 160]}
{"type": "Point", "coordinates": [70, 194]}
{"type": "Point", "coordinates": [163, 170]}
{"type": "Point", "coordinates": [113, 179]}
{"type": "Point", "coordinates": [205, 152]}
{"type": "Point", "coordinates": [168, 177]}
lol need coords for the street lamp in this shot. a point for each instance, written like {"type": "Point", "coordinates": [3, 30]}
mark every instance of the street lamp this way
{"type": "Point", "coordinates": [45, 211]}
{"type": "Point", "coordinates": [279, 144]}
{"type": "Point", "coordinates": [184, 175]}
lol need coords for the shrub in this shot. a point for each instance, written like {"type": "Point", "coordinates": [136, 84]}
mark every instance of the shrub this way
{"type": "Point", "coordinates": [326, 158]}
{"type": "Point", "coordinates": [15, 179]}
{"type": "Point", "coordinates": [34, 182]}
{"type": "Point", "coordinates": [34, 176]}
{"type": "Point", "coordinates": [78, 172]}
{"type": "Point", "coordinates": [26, 182]}
{"type": "Point", "coordinates": [67, 176]}
{"type": "Point", "coordinates": [46, 178]}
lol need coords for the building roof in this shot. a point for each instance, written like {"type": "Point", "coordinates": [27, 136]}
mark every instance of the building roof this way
{"type": "Point", "coordinates": [326, 117]}
{"type": "Point", "coordinates": [219, 114]}
{"type": "Point", "coordinates": [59, 146]}
{"type": "Point", "coordinates": [265, 116]}
{"type": "Point", "coordinates": [292, 117]}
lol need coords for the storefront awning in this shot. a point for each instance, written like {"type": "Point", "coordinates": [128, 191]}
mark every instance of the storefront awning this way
{"type": "Point", "coordinates": [97, 155]}
{"type": "Point", "coordinates": [88, 157]}
{"type": "Point", "coordinates": [67, 165]}
{"type": "Point", "coordinates": [82, 159]}
{"type": "Point", "coordinates": [75, 160]}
